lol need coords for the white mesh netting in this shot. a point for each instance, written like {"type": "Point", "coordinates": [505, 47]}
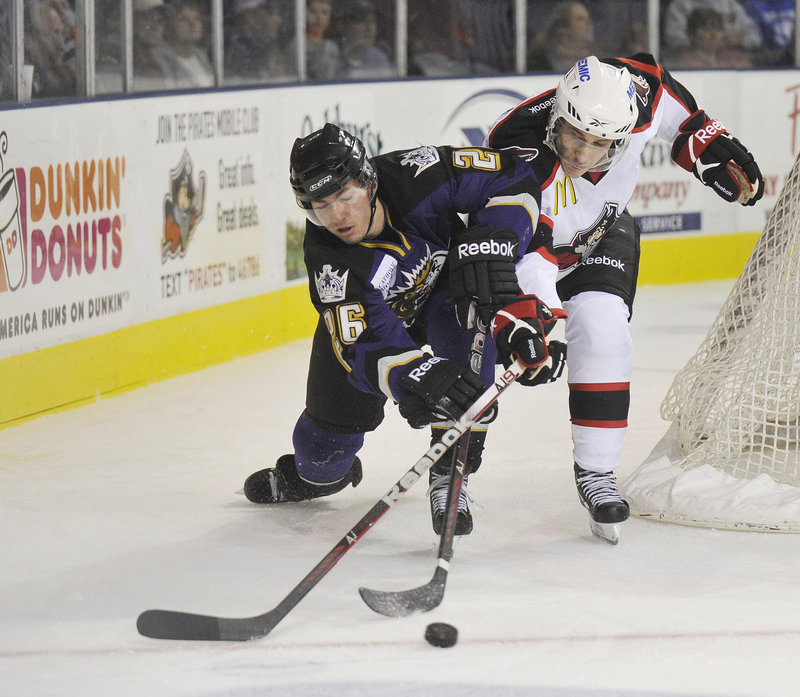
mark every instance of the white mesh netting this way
{"type": "Point", "coordinates": [732, 455]}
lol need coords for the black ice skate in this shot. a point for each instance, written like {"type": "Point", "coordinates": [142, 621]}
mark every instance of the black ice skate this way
{"type": "Point", "coordinates": [439, 483]}
{"type": "Point", "coordinates": [282, 483]}
{"type": "Point", "coordinates": [598, 492]}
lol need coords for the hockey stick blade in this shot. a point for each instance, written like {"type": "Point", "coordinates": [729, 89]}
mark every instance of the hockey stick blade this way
{"type": "Point", "coordinates": [408, 602]}
{"type": "Point", "coordinates": [172, 624]}
{"type": "Point", "coordinates": [429, 595]}
{"type": "Point", "coordinates": [169, 624]}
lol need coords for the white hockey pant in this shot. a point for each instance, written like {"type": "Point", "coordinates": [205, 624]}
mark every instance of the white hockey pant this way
{"type": "Point", "coordinates": [599, 372]}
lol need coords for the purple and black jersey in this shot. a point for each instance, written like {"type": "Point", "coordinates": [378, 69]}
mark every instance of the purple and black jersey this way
{"type": "Point", "coordinates": [370, 294]}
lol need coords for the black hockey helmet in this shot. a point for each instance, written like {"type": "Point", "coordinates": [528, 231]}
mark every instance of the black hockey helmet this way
{"type": "Point", "coordinates": [324, 161]}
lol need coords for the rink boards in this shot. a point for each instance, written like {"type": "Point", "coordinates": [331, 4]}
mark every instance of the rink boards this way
{"type": "Point", "coordinates": [147, 237]}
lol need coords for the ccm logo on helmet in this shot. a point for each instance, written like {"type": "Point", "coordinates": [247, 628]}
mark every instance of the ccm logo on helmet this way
{"type": "Point", "coordinates": [710, 131]}
{"type": "Point", "coordinates": [583, 70]}
{"type": "Point", "coordinates": [320, 183]}
{"type": "Point", "coordinates": [472, 249]}
{"type": "Point", "coordinates": [419, 372]}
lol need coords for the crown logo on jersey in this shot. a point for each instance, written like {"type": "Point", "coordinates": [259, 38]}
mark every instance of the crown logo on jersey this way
{"type": "Point", "coordinates": [331, 286]}
{"type": "Point", "coordinates": [421, 158]}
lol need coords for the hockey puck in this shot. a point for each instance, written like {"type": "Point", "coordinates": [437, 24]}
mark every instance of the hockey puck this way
{"type": "Point", "coordinates": [441, 634]}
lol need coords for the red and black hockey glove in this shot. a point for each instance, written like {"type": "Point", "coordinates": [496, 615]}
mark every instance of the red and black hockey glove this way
{"type": "Point", "coordinates": [483, 276]}
{"type": "Point", "coordinates": [705, 148]}
{"type": "Point", "coordinates": [440, 390]}
{"type": "Point", "coordinates": [520, 330]}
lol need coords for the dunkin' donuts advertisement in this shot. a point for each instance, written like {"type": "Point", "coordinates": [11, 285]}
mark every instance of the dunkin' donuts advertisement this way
{"type": "Point", "coordinates": [102, 227]}
{"type": "Point", "coordinates": [64, 240]}
{"type": "Point", "coordinates": [12, 260]}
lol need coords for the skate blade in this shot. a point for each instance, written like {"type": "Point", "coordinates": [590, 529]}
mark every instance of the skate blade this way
{"type": "Point", "coordinates": [608, 532]}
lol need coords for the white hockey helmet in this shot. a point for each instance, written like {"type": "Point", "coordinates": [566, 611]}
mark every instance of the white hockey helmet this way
{"type": "Point", "coordinates": [598, 99]}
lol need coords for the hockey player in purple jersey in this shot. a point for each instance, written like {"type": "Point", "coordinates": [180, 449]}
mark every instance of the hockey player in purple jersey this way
{"type": "Point", "coordinates": [584, 140]}
{"type": "Point", "coordinates": [384, 244]}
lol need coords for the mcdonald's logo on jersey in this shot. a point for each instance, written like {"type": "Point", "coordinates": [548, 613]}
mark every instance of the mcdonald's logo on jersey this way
{"type": "Point", "coordinates": [563, 187]}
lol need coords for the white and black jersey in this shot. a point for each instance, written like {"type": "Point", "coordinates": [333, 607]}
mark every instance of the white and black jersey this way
{"type": "Point", "coordinates": [580, 211]}
{"type": "Point", "coordinates": [596, 244]}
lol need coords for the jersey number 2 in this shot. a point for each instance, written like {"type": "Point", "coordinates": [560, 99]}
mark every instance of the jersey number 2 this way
{"type": "Point", "coordinates": [477, 159]}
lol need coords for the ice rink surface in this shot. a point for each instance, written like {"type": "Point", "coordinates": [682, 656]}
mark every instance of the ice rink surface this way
{"type": "Point", "coordinates": [130, 503]}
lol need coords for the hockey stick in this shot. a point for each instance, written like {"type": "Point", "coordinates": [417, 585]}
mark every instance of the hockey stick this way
{"type": "Point", "coordinates": [171, 624]}
{"type": "Point", "coordinates": [429, 595]}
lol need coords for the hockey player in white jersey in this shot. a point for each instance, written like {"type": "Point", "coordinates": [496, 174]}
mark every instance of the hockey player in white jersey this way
{"type": "Point", "coordinates": [584, 140]}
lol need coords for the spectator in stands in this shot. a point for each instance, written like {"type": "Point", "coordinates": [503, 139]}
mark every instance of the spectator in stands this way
{"type": "Point", "coordinates": [151, 67]}
{"type": "Point", "coordinates": [431, 39]}
{"type": "Point", "coordinates": [486, 29]}
{"type": "Point", "coordinates": [108, 47]}
{"type": "Point", "coordinates": [442, 38]}
{"type": "Point", "coordinates": [253, 47]}
{"type": "Point", "coordinates": [636, 38]}
{"type": "Point", "coordinates": [361, 57]}
{"type": "Point", "coordinates": [188, 61]}
{"type": "Point", "coordinates": [50, 47]}
{"type": "Point", "coordinates": [322, 53]}
{"type": "Point", "coordinates": [775, 20]}
{"type": "Point", "coordinates": [739, 30]}
{"type": "Point", "coordinates": [707, 47]}
{"type": "Point", "coordinates": [566, 37]}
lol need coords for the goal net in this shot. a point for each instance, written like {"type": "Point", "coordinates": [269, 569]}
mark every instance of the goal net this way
{"type": "Point", "coordinates": [731, 458]}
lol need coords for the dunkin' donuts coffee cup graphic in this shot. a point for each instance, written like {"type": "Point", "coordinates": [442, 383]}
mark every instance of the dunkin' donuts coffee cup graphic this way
{"type": "Point", "coordinates": [12, 256]}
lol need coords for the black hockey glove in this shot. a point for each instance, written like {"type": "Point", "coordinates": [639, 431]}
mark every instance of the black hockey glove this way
{"type": "Point", "coordinates": [440, 390]}
{"type": "Point", "coordinates": [482, 271]}
{"type": "Point", "coordinates": [550, 370]}
{"type": "Point", "coordinates": [716, 158]}
{"type": "Point", "coordinates": [520, 329]}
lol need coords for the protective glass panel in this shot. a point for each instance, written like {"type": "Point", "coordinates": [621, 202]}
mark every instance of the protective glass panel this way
{"type": "Point", "coordinates": [50, 32]}
{"type": "Point", "coordinates": [460, 37]}
{"type": "Point", "coordinates": [365, 31]}
{"type": "Point", "coordinates": [172, 45]}
{"type": "Point", "coordinates": [749, 34]}
{"type": "Point", "coordinates": [323, 54]}
{"type": "Point", "coordinates": [7, 67]}
{"type": "Point", "coordinates": [560, 32]}
{"type": "Point", "coordinates": [259, 42]}
{"type": "Point", "coordinates": [108, 46]}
